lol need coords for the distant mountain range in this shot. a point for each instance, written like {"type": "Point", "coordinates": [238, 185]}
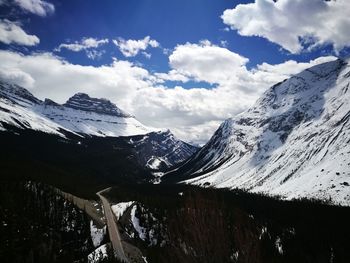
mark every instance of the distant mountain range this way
{"type": "Point", "coordinates": [293, 143]}
{"type": "Point", "coordinates": [80, 114]}
{"type": "Point", "coordinates": [83, 118]}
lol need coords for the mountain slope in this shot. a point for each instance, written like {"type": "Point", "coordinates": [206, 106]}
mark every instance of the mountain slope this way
{"type": "Point", "coordinates": [80, 114]}
{"type": "Point", "coordinates": [294, 142]}
{"type": "Point", "coordinates": [83, 117]}
{"type": "Point", "coordinates": [161, 150]}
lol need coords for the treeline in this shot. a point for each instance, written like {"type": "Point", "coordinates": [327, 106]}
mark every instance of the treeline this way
{"type": "Point", "coordinates": [38, 225]}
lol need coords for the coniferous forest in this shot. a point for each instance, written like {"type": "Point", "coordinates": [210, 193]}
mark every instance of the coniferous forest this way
{"type": "Point", "coordinates": [39, 225]}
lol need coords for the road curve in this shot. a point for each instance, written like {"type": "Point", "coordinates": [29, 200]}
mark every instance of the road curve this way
{"type": "Point", "coordinates": [113, 231]}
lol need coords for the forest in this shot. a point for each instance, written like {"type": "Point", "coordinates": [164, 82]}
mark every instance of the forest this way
{"type": "Point", "coordinates": [213, 225]}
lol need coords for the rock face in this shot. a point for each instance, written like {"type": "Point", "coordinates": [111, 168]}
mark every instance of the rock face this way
{"type": "Point", "coordinates": [294, 142]}
{"type": "Point", "coordinates": [82, 101]}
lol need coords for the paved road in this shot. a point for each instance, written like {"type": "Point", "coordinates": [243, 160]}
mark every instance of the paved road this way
{"type": "Point", "coordinates": [112, 228]}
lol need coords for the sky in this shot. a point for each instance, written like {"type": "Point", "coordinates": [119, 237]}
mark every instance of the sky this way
{"type": "Point", "coordinates": [185, 65]}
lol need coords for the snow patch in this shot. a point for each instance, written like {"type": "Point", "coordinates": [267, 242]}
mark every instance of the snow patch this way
{"type": "Point", "coordinates": [99, 254]}
{"type": "Point", "coordinates": [136, 224]}
{"type": "Point", "coordinates": [97, 234]}
{"type": "Point", "coordinates": [120, 208]}
{"type": "Point", "coordinates": [154, 163]}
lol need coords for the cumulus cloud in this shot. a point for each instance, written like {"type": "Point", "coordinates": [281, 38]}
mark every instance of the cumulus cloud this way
{"type": "Point", "coordinates": [131, 47]}
{"type": "Point", "coordinates": [295, 25]}
{"type": "Point", "coordinates": [192, 114]}
{"type": "Point", "coordinates": [58, 79]}
{"type": "Point", "coordinates": [38, 7]}
{"type": "Point", "coordinates": [206, 62]}
{"type": "Point", "coordinates": [11, 32]}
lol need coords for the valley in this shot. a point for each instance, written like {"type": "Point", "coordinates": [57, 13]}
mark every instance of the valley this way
{"type": "Point", "coordinates": [85, 181]}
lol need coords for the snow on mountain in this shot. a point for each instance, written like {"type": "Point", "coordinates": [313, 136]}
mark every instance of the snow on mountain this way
{"type": "Point", "coordinates": [17, 109]}
{"type": "Point", "coordinates": [93, 123]}
{"type": "Point", "coordinates": [293, 143]}
{"type": "Point", "coordinates": [161, 150]}
{"type": "Point", "coordinates": [81, 114]}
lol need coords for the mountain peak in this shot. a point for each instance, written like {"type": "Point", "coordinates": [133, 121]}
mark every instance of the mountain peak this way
{"type": "Point", "coordinates": [14, 91]}
{"type": "Point", "coordinates": [84, 102]}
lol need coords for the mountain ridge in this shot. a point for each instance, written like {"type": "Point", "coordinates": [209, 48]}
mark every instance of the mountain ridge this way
{"type": "Point", "coordinates": [82, 101]}
{"type": "Point", "coordinates": [82, 116]}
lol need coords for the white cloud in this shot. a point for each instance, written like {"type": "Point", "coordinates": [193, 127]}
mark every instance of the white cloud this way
{"type": "Point", "coordinates": [172, 75]}
{"type": "Point", "coordinates": [206, 62]}
{"type": "Point", "coordinates": [11, 32]}
{"type": "Point", "coordinates": [295, 25]}
{"type": "Point", "coordinates": [131, 47]}
{"type": "Point", "coordinates": [94, 54]}
{"type": "Point", "coordinates": [166, 51]}
{"type": "Point", "coordinates": [89, 45]}
{"type": "Point", "coordinates": [38, 7]}
{"type": "Point", "coordinates": [16, 76]}
{"type": "Point", "coordinates": [85, 43]}
{"type": "Point", "coordinates": [58, 79]}
{"type": "Point", "coordinates": [192, 114]}
{"type": "Point", "coordinates": [224, 43]}
{"type": "Point", "coordinates": [146, 54]}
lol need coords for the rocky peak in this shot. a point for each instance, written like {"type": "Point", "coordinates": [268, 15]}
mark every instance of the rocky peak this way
{"type": "Point", "coordinates": [48, 102]}
{"type": "Point", "coordinates": [84, 102]}
{"type": "Point", "coordinates": [13, 91]}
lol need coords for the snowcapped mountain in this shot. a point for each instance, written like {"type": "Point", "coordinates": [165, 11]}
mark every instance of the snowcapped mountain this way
{"type": "Point", "coordinates": [84, 116]}
{"type": "Point", "coordinates": [293, 143]}
{"type": "Point", "coordinates": [80, 114]}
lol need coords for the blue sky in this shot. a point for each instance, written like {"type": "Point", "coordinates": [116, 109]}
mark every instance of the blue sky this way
{"type": "Point", "coordinates": [196, 62]}
{"type": "Point", "coordinates": [169, 22]}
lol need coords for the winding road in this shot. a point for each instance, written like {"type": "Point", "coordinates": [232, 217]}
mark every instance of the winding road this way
{"type": "Point", "coordinates": [113, 231]}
